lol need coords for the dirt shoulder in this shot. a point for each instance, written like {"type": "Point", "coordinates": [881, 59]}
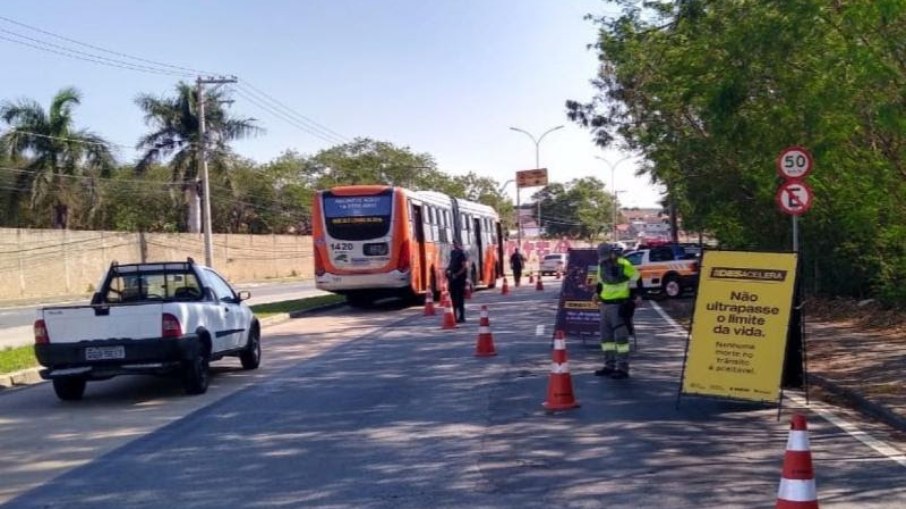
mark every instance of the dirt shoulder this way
{"type": "Point", "coordinates": [856, 352]}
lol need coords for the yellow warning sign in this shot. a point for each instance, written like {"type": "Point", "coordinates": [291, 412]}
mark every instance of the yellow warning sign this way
{"type": "Point", "coordinates": [739, 328]}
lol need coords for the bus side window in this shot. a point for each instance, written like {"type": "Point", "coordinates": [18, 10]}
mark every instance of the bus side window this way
{"type": "Point", "coordinates": [427, 213]}
{"type": "Point", "coordinates": [442, 224]}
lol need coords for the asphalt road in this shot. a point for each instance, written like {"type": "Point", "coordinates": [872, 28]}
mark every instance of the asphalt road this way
{"type": "Point", "coordinates": [16, 322]}
{"type": "Point", "coordinates": [390, 411]}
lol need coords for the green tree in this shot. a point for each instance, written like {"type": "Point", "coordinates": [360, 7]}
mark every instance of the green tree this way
{"type": "Point", "coordinates": [710, 92]}
{"type": "Point", "coordinates": [174, 139]}
{"type": "Point", "coordinates": [146, 203]}
{"type": "Point", "coordinates": [56, 164]}
{"type": "Point", "coordinates": [366, 161]}
{"type": "Point", "coordinates": [579, 209]}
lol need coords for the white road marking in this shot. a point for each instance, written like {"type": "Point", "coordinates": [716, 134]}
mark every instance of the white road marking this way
{"type": "Point", "coordinates": [879, 446]}
{"type": "Point", "coordinates": [539, 330]}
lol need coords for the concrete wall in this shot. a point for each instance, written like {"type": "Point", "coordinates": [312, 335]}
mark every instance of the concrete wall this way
{"type": "Point", "coordinates": [40, 264]}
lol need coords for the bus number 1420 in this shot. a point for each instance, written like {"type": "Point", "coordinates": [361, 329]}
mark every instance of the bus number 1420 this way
{"type": "Point", "coordinates": [341, 246]}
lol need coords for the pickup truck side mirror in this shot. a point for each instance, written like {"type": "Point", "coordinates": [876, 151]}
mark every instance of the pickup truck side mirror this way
{"type": "Point", "coordinates": [244, 295]}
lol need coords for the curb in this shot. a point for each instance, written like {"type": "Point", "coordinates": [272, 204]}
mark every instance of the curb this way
{"type": "Point", "coordinates": [860, 402]}
{"type": "Point", "coordinates": [26, 376]}
{"type": "Point", "coordinates": [32, 376]}
{"type": "Point", "coordinates": [285, 317]}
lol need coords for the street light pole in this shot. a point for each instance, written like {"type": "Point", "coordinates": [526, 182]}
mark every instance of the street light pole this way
{"type": "Point", "coordinates": [613, 189]}
{"type": "Point", "coordinates": [537, 142]}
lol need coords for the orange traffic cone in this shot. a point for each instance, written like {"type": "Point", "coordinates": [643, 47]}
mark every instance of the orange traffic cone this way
{"type": "Point", "coordinates": [445, 301]}
{"type": "Point", "coordinates": [449, 321]}
{"type": "Point", "coordinates": [539, 285]}
{"type": "Point", "coordinates": [531, 278]}
{"type": "Point", "coordinates": [797, 485]}
{"type": "Point", "coordinates": [505, 290]}
{"type": "Point", "coordinates": [560, 384]}
{"type": "Point", "coordinates": [485, 345]}
{"type": "Point", "coordinates": [429, 302]}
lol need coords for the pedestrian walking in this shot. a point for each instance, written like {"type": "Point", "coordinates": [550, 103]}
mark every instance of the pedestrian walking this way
{"type": "Point", "coordinates": [616, 286]}
{"type": "Point", "coordinates": [457, 276]}
{"type": "Point", "coordinates": [517, 263]}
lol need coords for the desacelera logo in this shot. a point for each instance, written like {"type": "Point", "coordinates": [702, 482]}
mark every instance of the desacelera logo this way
{"type": "Point", "coordinates": [749, 274]}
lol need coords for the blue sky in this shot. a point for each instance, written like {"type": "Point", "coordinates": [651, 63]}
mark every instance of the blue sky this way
{"type": "Point", "coordinates": [447, 77]}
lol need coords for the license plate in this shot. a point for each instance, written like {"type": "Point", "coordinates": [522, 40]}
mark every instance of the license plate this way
{"type": "Point", "coordinates": [103, 353]}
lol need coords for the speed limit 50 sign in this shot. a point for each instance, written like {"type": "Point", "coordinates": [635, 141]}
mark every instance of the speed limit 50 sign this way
{"type": "Point", "coordinates": [794, 163]}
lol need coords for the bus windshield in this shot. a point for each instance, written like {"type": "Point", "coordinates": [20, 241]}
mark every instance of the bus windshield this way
{"type": "Point", "coordinates": [357, 217]}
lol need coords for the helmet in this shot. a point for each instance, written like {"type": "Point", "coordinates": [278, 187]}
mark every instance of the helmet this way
{"type": "Point", "coordinates": [605, 249]}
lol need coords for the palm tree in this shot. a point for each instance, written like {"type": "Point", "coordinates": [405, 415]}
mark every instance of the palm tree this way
{"type": "Point", "coordinates": [174, 121]}
{"type": "Point", "coordinates": [56, 163]}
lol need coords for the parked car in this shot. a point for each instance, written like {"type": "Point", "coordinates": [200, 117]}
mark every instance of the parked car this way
{"type": "Point", "coordinates": [553, 263]}
{"type": "Point", "coordinates": [148, 318]}
{"type": "Point", "coordinates": [665, 269]}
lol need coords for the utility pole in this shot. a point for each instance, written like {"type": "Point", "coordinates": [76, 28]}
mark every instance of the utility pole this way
{"type": "Point", "coordinates": [202, 144]}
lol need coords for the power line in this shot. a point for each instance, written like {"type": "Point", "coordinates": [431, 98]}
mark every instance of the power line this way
{"type": "Point", "coordinates": [73, 140]}
{"type": "Point", "coordinates": [261, 99]}
{"type": "Point", "coordinates": [98, 48]}
{"type": "Point", "coordinates": [283, 116]}
{"type": "Point", "coordinates": [296, 114]}
{"type": "Point", "coordinates": [88, 57]}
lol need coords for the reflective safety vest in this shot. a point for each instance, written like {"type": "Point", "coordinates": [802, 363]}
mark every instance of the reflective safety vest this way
{"type": "Point", "coordinates": [615, 279]}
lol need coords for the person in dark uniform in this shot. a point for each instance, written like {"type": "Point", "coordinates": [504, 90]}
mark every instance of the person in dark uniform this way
{"type": "Point", "coordinates": [517, 263]}
{"type": "Point", "coordinates": [457, 276]}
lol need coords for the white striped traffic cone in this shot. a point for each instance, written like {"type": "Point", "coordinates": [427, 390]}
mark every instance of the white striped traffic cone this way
{"type": "Point", "coordinates": [485, 345]}
{"type": "Point", "coordinates": [429, 302]}
{"type": "Point", "coordinates": [560, 394]}
{"type": "Point", "coordinates": [797, 485]}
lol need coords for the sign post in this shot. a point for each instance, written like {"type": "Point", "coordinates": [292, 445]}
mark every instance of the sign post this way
{"type": "Point", "coordinates": [527, 178]}
{"type": "Point", "coordinates": [794, 198]}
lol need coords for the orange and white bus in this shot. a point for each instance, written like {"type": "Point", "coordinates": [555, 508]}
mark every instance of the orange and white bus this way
{"type": "Point", "coordinates": [374, 241]}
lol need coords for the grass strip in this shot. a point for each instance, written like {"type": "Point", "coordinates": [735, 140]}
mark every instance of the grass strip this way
{"type": "Point", "coordinates": [289, 306]}
{"type": "Point", "coordinates": [14, 359]}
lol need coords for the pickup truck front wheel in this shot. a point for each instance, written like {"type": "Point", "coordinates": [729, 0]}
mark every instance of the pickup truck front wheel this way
{"type": "Point", "coordinates": [70, 388]}
{"type": "Point", "coordinates": [196, 373]}
{"type": "Point", "coordinates": [672, 287]}
{"type": "Point", "coordinates": [251, 356]}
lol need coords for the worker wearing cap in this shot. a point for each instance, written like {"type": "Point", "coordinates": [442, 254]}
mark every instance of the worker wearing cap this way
{"type": "Point", "coordinates": [616, 285]}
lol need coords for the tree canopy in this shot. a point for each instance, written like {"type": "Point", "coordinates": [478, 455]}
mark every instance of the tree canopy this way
{"type": "Point", "coordinates": [710, 92]}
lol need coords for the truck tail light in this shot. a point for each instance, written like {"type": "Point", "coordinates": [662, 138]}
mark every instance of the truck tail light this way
{"type": "Point", "coordinates": [170, 326]}
{"type": "Point", "coordinates": [405, 260]}
{"type": "Point", "coordinates": [319, 263]}
{"type": "Point", "coordinates": [41, 335]}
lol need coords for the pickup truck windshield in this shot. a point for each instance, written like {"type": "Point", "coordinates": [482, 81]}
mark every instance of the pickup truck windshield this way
{"type": "Point", "coordinates": [152, 283]}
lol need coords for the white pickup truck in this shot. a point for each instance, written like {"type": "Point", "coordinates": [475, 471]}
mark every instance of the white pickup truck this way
{"type": "Point", "coordinates": [149, 318]}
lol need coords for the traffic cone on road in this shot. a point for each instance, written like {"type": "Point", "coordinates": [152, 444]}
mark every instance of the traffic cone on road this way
{"type": "Point", "coordinates": [485, 345]}
{"type": "Point", "coordinates": [560, 394]}
{"type": "Point", "coordinates": [558, 275]}
{"type": "Point", "coordinates": [797, 484]}
{"type": "Point", "coordinates": [449, 321]}
{"type": "Point", "coordinates": [539, 286]}
{"type": "Point", "coordinates": [429, 302]}
{"type": "Point", "coordinates": [445, 301]}
{"type": "Point", "coordinates": [505, 289]}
